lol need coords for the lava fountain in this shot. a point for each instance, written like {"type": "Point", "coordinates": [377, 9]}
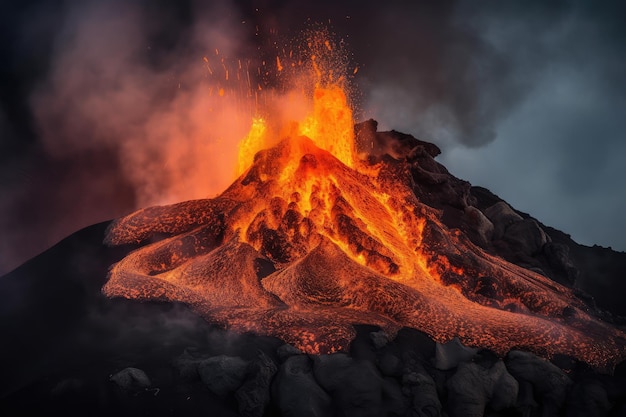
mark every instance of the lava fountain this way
{"type": "Point", "coordinates": [312, 239]}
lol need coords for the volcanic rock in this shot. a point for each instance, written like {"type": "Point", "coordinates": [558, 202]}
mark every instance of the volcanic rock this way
{"type": "Point", "coordinates": [588, 398]}
{"type": "Point", "coordinates": [421, 390]}
{"type": "Point", "coordinates": [253, 396]}
{"type": "Point", "coordinates": [131, 379]}
{"type": "Point", "coordinates": [297, 393]}
{"type": "Point", "coordinates": [449, 355]}
{"type": "Point", "coordinates": [550, 384]}
{"type": "Point", "coordinates": [502, 216]}
{"type": "Point", "coordinates": [356, 387]}
{"type": "Point", "coordinates": [473, 387]}
{"type": "Point", "coordinates": [286, 351]}
{"type": "Point", "coordinates": [479, 228]}
{"type": "Point", "coordinates": [526, 236]}
{"type": "Point", "coordinates": [223, 374]}
{"type": "Point", "coordinates": [558, 256]}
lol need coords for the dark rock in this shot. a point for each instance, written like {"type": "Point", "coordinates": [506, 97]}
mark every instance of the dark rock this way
{"type": "Point", "coordinates": [286, 351]}
{"type": "Point", "coordinates": [480, 229]}
{"type": "Point", "coordinates": [549, 384]}
{"type": "Point", "coordinates": [416, 342]}
{"type": "Point", "coordinates": [449, 355]}
{"type": "Point", "coordinates": [253, 396]}
{"type": "Point", "coordinates": [356, 387]}
{"type": "Point", "coordinates": [396, 144]}
{"type": "Point", "coordinates": [502, 216]}
{"type": "Point", "coordinates": [131, 379]}
{"type": "Point", "coordinates": [223, 374]}
{"type": "Point", "coordinates": [379, 339]}
{"type": "Point", "coordinates": [187, 365]}
{"type": "Point", "coordinates": [362, 346]}
{"type": "Point", "coordinates": [395, 404]}
{"type": "Point", "coordinates": [473, 387]}
{"type": "Point", "coordinates": [421, 389]}
{"type": "Point", "coordinates": [505, 388]}
{"type": "Point", "coordinates": [557, 255]}
{"type": "Point", "coordinates": [526, 236]}
{"type": "Point", "coordinates": [468, 391]}
{"type": "Point", "coordinates": [390, 364]}
{"type": "Point", "coordinates": [588, 398]}
{"type": "Point", "coordinates": [296, 392]}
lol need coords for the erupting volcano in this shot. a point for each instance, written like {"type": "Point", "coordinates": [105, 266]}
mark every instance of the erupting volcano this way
{"type": "Point", "coordinates": [325, 229]}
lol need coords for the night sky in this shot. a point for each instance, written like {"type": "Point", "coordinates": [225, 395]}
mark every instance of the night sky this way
{"type": "Point", "coordinates": [102, 103]}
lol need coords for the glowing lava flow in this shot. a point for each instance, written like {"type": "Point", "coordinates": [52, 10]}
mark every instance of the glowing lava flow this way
{"type": "Point", "coordinates": [310, 241]}
{"type": "Point", "coordinates": [305, 256]}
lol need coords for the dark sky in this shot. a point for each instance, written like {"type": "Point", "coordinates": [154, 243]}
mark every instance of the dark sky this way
{"type": "Point", "coordinates": [101, 102]}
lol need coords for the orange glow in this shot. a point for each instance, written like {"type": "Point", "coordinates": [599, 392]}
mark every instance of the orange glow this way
{"type": "Point", "coordinates": [330, 125]}
{"type": "Point", "coordinates": [329, 122]}
{"type": "Point", "coordinates": [344, 248]}
{"type": "Point", "coordinates": [251, 144]}
{"type": "Point", "coordinates": [310, 240]}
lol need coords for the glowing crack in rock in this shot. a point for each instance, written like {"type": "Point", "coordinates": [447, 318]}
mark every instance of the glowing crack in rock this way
{"type": "Point", "coordinates": [310, 240]}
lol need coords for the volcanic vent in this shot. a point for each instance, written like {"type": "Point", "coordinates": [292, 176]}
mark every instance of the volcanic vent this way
{"type": "Point", "coordinates": [321, 232]}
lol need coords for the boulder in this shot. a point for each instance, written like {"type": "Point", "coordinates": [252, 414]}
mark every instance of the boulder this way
{"type": "Point", "coordinates": [588, 398]}
{"type": "Point", "coordinates": [296, 392]}
{"type": "Point", "coordinates": [421, 390]}
{"type": "Point", "coordinates": [557, 255]}
{"type": "Point", "coordinates": [253, 396]}
{"type": "Point", "coordinates": [501, 215]}
{"type": "Point", "coordinates": [550, 384]}
{"type": "Point", "coordinates": [356, 386]}
{"type": "Point", "coordinates": [505, 388]}
{"type": "Point", "coordinates": [131, 379]}
{"type": "Point", "coordinates": [223, 374]}
{"type": "Point", "coordinates": [526, 236]}
{"type": "Point", "coordinates": [473, 387]}
{"type": "Point", "coordinates": [379, 339]}
{"type": "Point", "coordinates": [286, 351]}
{"type": "Point", "coordinates": [187, 365]}
{"type": "Point", "coordinates": [390, 363]}
{"type": "Point", "coordinates": [468, 391]}
{"type": "Point", "coordinates": [449, 355]}
{"type": "Point", "coordinates": [479, 227]}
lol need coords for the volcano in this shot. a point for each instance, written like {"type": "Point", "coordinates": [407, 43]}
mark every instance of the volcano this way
{"type": "Point", "coordinates": [302, 247]}
{"type": "Point", "coordinates": [344, 272]}
{"type": "Point", "coordinates": [332, 273]}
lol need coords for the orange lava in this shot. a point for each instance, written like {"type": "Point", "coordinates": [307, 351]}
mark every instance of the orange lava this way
{"type": "Point", "coordinates": [309, 241]}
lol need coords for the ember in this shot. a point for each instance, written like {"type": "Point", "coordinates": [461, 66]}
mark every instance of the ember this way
{"type": "Point", "coordinates": [311, 240]}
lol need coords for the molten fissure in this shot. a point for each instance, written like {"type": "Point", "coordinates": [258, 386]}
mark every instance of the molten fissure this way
{"type": "Point", "coordinates": [310, 240]}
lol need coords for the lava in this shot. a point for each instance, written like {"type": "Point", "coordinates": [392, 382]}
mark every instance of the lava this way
{"type": "Point", "coordinates": [311, 240]}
